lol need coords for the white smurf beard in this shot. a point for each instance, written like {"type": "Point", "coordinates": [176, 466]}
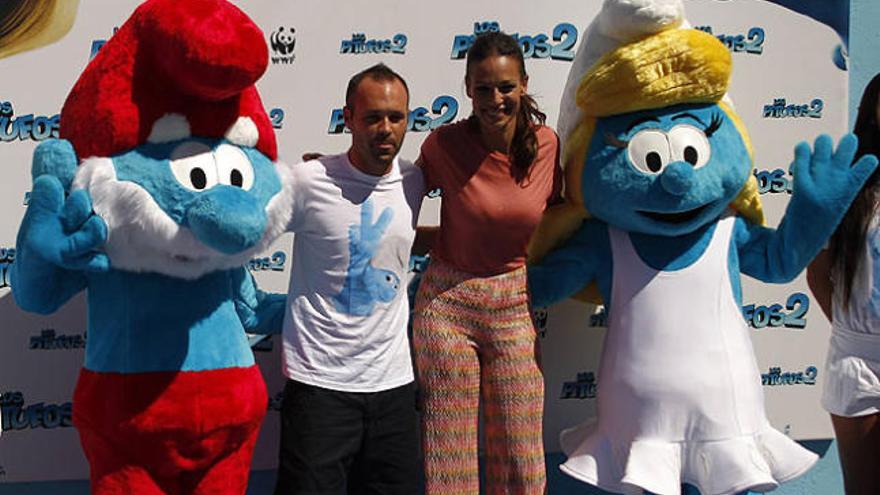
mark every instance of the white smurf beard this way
{"type": "Point", "coordinates": [143, 238]}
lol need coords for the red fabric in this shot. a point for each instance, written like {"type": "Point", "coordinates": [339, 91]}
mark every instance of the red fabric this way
{"type": "Point", "coordinates": [198, 58]}
{"type": "Point", "coordinates": [170, 432]}
{"type": "Point", "coordinates": [486, 218]}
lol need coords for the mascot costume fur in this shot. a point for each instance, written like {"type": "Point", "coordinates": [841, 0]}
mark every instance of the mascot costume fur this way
{"type": "Point", "coordinates": [162, 186]}
{"type": "Point", "coordinates": [663, 215]}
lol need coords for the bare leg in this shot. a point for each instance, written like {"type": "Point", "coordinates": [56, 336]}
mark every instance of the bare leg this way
{"type": "Point", "coordinates": [858, 441]}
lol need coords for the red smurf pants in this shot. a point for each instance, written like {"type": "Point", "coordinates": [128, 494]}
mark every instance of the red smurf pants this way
{"type": "Point", "coordinates": [169, 433]}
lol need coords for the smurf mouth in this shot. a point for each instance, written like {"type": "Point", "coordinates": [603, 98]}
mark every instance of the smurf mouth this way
{"type": "Point", "coordinates": [677, 217]}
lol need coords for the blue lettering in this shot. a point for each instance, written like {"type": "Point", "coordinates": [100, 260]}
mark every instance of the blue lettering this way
{"type": "Point", "coordinates": [776, 377]}
{"type": "Point", "coordinates": [798, 303]}
{"type": "Point", "coordinates": [584, 387]}
{"type": "Point", "coordinates": [753, 42]}
{"type": "Point", "coordinates": [419, 119]}
{"type": "Point", "coordinates": [275, 262]}
{"type": "Point", "coordinates": [98, 44]}
{"type": "Point", "coordinates": [42, 128]}
{"type": "Point", "coordinates": [600, 318]}
{"type": "Point", "coordinates": [26, 126]}
{"type": "Point", "coordinates": [460, 45]}
{"type": "Point", "coordinates": [756, 41]}
{"type": "Point", "coordinates": [276, 115]}
{"type": "Point", "coordinates": [761, 317]}
{"type": "Point", "coordinates": [7, 254]}
{"type": "Point", "coordinates": [810, 375]}
{"type": "Point", "coordinates": [780, 109]}
{"type": "Point", "coordinates": [568, 35]}
{"type": "Point", "coordinates": [96, 47]}
{"type": "Point", "coordinates": [18, 417]}
{"type": "Point", "coordinates": [446, 109]}
{"type": "Point", "coordinates": [791, 315]}
{"type": "Point", "coordinates": [47, 340]}
{"type": "Point", "coordinates": [816, 107]}
{"type": "Point", "coordinates": [4, 275]}
{"type": "Point", "coordinates": [8, 131]}
{"type": "Point", "coordinates": [486, 27]}
{"type": "Point", "coordinates": [337, 122]}
{"type": "Point", "coordinates": [773, 181]}
{"type": "Point", "coordinates": [399, 43]}
{"type": "Point", "coordinates": [533, 46]}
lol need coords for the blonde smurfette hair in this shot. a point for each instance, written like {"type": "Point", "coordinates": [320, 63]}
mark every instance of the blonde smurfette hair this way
{"type": "Point", "coordinates": [664, 69]}
{"type": "Point", "coordinates": [29, 24]}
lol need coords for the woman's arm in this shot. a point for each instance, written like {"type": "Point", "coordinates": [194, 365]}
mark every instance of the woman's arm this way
{"type": "Point", "coordinates": [425, 238]}
{"type": "Point", "coordinates": [819, 280]}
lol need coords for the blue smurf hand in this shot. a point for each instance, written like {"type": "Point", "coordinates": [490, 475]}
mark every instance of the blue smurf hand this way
{"type": "Point", "coordinates": [57, 158]}
{"type": "Point", "coordinates": [63, 232]}
{"type": "Point", "coordinates": [260, 312]}
{"type": "Point", "coordinates": [824, 185]}
{"type": "Point", "coordinates": [826, 179]}
{"type": "Point", "coordinates": [365, 237]}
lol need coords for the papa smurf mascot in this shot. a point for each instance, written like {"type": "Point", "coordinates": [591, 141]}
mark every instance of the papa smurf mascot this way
{"type": "Point", "coordinates": [663, 165]}
{"type": "Point", "coordinates": [162, 186]}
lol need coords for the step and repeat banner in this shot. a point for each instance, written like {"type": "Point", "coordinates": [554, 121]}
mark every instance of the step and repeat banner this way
{"type": "Point", "coordinates": [789, 84]}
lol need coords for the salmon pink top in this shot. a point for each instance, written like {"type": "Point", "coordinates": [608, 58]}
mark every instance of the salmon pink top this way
{"type": "Point", "coordinates": [486, 216]}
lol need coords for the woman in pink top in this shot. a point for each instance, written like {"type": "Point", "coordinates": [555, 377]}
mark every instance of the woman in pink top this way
{"type": "Point", "coordinates": [472, 330]}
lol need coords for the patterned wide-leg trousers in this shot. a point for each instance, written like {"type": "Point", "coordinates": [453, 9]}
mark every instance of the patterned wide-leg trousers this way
{"type": "Point", "coordinates": [475, 335]}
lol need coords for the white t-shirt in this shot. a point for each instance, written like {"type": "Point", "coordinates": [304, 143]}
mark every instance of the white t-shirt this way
{"type": "Point", "coordinates": [863, 312]}
{"type": "Point", "coordinates": [345, 325]}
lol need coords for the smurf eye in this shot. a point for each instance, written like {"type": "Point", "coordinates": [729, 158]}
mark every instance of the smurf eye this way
{"type": "Point", "coordinates": [690, 145]}
{"type": "Point", "coordinates": [233, 167]}
{"type": "Point", "coordinates": [193, 166]}
{"type": "Point", "coordinates": [649, 151]}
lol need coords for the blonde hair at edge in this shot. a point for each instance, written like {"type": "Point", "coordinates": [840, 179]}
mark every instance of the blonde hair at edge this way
{"type": "Point", "coordinates": [29, 24]}
{"type": "Point", "coordinates": [672, 67]}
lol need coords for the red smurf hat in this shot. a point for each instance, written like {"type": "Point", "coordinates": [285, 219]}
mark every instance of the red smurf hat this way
{"type": "Point", "coordinates": [175, 69]}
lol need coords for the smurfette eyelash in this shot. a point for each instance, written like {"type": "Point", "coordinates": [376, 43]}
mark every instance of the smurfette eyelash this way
{"type": "Point", "coordinates": [613, 140]}
{"type": "Point", "coordinates": [716, 122]}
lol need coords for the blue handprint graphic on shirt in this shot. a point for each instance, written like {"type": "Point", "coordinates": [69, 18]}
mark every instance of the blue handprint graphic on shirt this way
{"type": "Point", "coordinates": [365, 284]}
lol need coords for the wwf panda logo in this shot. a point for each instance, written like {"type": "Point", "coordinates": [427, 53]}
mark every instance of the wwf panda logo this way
{"type": "Point", "coordinates": [283, 40]}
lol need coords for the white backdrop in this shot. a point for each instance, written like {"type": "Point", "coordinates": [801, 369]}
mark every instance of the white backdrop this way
{"type": "Point", "coordinates": [786, 87]}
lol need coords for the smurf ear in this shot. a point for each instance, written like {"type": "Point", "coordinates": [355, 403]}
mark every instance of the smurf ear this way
{"type": "Point", "coordinates": [57, 158]}
{"type": "Point", "coordinates": [243, 132]}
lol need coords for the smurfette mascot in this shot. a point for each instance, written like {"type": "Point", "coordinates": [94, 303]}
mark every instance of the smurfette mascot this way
{"type": "Point", "coordinates": [663, 166]}
{"type": "Point", "coordinates": [162, 186]}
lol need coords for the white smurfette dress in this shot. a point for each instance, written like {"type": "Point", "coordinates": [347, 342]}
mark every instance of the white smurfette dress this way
{"type": "Point", "coordinates": [679, 395]}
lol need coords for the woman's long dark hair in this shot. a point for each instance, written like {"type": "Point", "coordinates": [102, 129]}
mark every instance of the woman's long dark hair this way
{"type": "Point", "coordinates": [524, 147]}
{"type": "Point", "coordinates": [847, 243]}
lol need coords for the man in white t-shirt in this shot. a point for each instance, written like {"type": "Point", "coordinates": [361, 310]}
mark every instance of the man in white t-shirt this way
{"type": "Point", "coordinates": [349, 421]}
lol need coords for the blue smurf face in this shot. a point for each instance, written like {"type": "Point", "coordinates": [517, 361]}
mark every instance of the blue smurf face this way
{"type": "Point", "coordinates": [667, 171]}
{"type": "Point", "coordinates": [382, 284]}
{"type": "Point", "coordinates": [217, 190]}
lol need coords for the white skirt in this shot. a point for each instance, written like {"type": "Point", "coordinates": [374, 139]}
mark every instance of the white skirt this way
{"type": "Point", "coordinates": [852, 374]}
